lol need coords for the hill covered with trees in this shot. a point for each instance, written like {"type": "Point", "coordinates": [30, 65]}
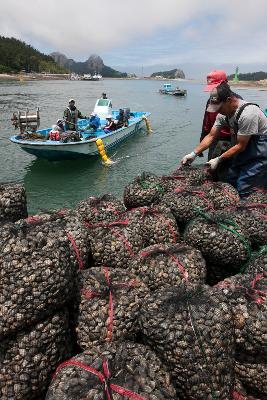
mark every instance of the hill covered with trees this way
{"type": "Point", "coordinates": [172, 74]}
{"type": "Point", "coordinates": [16, 55]}
{"type": "Point", "coordinates": [251, 76]}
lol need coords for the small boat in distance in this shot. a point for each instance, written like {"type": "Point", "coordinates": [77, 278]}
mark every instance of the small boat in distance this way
{"type": "Point", "coordinates": [89, 77]}
{"type": "Point", "coordinates": [74, 77]}
{"type": "Point", "coordinates": [167, 89]}
{"type": "Point", "coordinates": [39, 143]}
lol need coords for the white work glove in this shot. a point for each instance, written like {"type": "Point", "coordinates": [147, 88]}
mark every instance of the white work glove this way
{"type": "Point", "coordinates": [213, 163]}
{"type": "Point", "coordinates": [188, 158]}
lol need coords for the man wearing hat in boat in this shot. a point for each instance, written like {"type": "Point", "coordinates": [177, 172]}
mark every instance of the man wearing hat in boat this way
{"type": "Point", "coordinates": [94, 122]}
{"type": "Point", "coordinates": [71, 115]}
{"type": "Point", "coordinates": [248, 126]}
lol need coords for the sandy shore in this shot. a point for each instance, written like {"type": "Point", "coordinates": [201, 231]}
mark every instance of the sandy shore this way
{"type": "Point", "coordinates": [33, 77]}
{"type": "Point", "coordinates": [261, 85]}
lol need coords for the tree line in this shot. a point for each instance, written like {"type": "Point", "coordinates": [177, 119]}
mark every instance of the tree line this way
{"type": "Point", "coordinates": [250, 76]}
{"type": "Point", "coordinates": [16, 56]}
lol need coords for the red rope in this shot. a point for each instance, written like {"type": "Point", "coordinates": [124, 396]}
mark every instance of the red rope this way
{"type": "Point", "coordinates": [111, 224]}
{"type": "Point", "coordinates": [103, 377]}
{"type": "Point", "coordinates": [80, 261]}
{"type": "Point", "coordinates": [88, 294]}
{"type": "Point", "coordinates": [181, 268]}
{"type": "Point", "coordinates": [168, 223]}
{"type": "Point", "coordinates": [110, 306]}
{"type": "Point", "coordinates": [230, 195]}
{"type": "Point", "coordinates": [237, 396]}
{"type": "Point", "coordinates": [258, 296]}
{"type": "Point", "coordinates": [33, 219]}
{"type": "Point", "coordinates": [199, 193]}
{"type": "Point", "coordinates": [125, 241]}
{"type": "Point", "coordinates": [175, 259]}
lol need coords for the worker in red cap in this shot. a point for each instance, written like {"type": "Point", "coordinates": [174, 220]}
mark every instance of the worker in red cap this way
{"type": "Point", "coordinates": [248, 153]}
{"type": "Point", "coordinates": [223, 142]}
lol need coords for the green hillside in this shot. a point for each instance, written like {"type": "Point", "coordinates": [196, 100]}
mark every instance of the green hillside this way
{"type": "Point", "coordinates": [16, 55]}
{"type": "Point", "coordinates": [251, 76]}
{"type": "Point", "coordinates": [172, 74]}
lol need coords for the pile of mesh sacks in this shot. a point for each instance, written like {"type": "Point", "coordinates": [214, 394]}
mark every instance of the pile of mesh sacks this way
{"type": "Point", "coordinates": [159, 295]}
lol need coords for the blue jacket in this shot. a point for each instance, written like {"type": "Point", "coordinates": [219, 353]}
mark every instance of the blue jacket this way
{"type": "Point", "coordinates": [95, 120]}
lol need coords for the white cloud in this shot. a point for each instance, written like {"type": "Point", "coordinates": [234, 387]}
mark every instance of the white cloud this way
{"type": "Point", "coordinates": [207, 27]}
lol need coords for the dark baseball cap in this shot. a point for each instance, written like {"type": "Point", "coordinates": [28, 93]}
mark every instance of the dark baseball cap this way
{"type": "Point", "coordinates": [218, 96]}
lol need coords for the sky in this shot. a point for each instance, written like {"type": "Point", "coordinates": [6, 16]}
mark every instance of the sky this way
{"type": "Point", "coordinates": [143, 35]}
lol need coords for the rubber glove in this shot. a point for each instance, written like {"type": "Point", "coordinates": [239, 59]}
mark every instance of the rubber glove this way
{"type": "Point", "coordinates": [189, 158]}
{"type": "Point", "coordinates": [213, 163]}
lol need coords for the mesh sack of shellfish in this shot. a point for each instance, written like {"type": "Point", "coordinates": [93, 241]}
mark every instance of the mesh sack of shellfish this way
{"type": "Point", "coordinates": [258, 262]}
{"type": "Point", "coordinates": [258, 196]}
{"type": "Point", "coordinates": [110, 303]}
{"type": "Point", "coordinates": [156, 224]}
{"type": "Point", "coordinates": [252, 372]}
{"type": "Point", "coordinates": [171, 182]}
{"type": "Point", "coordinates": [247, 297]}
{"type": "Point", "coordinates": [28, 359]}
{"type": "Point", "coordinates": [75, 231]}
{"type": "Point", "coordinates": [119, 371]}
{"type": "Point", "coordinates": [194, 175]}
{"type": "Point", "coordinates": [79, 241]}
{"type": "Point", "coordinates": [115, 243]}
{"type": "Point", "coordinates": [221, 241]}
{"type": "Point", "coordinates": [221, 194]}
{"type": "Point", "coordinates": [191, 329]}
{"type": "Point", "coordinates": [13, 203]}
{"type": "Point", "coordinates": [36, 273]}
{"type": "Point", "coordinates": [143, 191]}
{"type": "Point", "coordinates": [185, 203]}
{"type": "Point", "coordinates": [251, 219]}
{"type": "Point", "coordinates": [163, 265]}
{"type": "Point", "coordinates": [96, 209]}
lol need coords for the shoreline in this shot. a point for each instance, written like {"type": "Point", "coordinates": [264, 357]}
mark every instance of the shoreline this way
{"type": "Point", "coordinates": [260, 85]}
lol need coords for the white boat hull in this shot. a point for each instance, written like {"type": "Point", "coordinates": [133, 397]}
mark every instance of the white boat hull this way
{"type": "Point", "coordinates": [53, 150]}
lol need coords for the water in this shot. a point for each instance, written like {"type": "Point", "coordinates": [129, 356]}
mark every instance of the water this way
{"type": "Point", "coordinates": [176, 124]}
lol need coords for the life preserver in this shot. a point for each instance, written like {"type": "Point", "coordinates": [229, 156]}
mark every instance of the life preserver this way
{"type": "Point", "coordinates": [54, 135]}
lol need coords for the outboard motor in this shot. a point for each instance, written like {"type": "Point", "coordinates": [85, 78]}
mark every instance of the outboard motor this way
{"type": "Point", "coordinates": [27, 122]}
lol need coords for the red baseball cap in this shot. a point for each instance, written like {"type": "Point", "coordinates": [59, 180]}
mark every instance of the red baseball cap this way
{"type": "Point", "coordinates": [214, 79]}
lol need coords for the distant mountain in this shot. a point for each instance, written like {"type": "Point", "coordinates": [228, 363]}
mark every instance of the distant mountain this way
{"type": "Point", "coordinates": [251, 76]}
{"type": "Point", "coordinates": [172, 74]}
{"type": "Point", "coordinates": [16, 55]}
{"type": "Point", "coordinates": [90, 66]}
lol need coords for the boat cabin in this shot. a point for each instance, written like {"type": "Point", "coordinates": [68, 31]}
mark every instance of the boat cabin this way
{"type": "Point", "coordinates": [103, 108]}
{"type": "Point", "coordinates": [167, 86]}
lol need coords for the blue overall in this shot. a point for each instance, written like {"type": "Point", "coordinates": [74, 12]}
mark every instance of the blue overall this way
{"type": "Point", "coordinates": [249, 168]}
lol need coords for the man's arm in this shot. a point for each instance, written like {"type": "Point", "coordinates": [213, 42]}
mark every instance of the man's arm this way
{"type": "Point", "coordinates": [242, 141]}
{"type": "Point", "coordinates": [206, 142]}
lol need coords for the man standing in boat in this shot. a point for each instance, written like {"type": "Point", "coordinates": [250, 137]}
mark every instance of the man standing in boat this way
{"type": "Point", "coordinates": [71, 115]}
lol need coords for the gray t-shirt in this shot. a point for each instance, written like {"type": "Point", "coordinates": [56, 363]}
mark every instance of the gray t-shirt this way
{"type": "Point", "coordinates": [252, 121]}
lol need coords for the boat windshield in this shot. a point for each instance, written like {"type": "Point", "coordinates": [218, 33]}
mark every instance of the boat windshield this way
{"type": "Point", "coordinates": [103, 102]}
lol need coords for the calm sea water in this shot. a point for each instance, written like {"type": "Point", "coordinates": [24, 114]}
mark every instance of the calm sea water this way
{"type": "Point", "coordinates": [176, 124]}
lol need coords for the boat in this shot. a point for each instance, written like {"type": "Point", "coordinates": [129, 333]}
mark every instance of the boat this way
{"type": "Point", "coordinates": [75, 77]}
{"type": "Point", "coordinates": [167, 89]}
{"type": "Point", "coordinates": [89, 77]}
{"type": "Point", "coordinates": [34, 141]}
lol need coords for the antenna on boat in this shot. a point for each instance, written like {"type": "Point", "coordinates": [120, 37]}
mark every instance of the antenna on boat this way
{"type": "Point", "coordinates": [26, 121]}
